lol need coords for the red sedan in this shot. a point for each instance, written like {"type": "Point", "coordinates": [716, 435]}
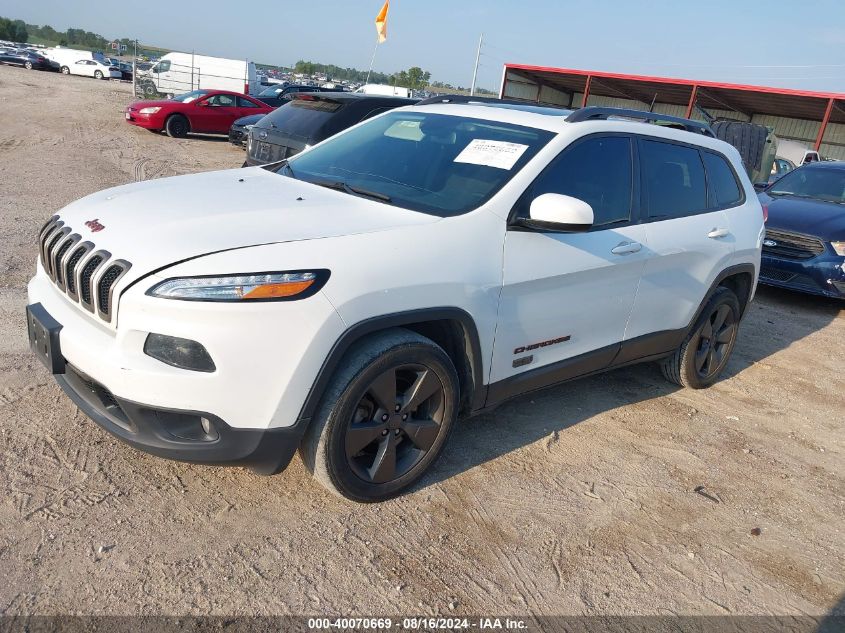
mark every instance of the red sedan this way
{"type": "Point", "coordinates": [208, 111]}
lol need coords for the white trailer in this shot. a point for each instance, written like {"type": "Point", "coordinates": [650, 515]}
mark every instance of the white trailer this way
{"type": "Point", "coordinates": [177, 73]}
{"type": "Point", "coordinates": [384, 90]}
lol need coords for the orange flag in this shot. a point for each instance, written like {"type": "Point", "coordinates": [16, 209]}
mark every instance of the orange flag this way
{"type": "Point", "coordinates": [381, 22]}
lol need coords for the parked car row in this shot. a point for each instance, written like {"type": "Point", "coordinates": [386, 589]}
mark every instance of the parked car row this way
{"type": "Point", "coordinates": [31, 60]}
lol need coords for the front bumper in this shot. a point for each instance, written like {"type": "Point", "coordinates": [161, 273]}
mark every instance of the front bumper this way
{"type": "Point", "coordinates": [267, 355]}
{"type": "Point", "coordinates": [179, 435]}
{"type": "Point", "coordinates": [823, 275]}
{"type": "Point", "coordinates": [146, 121]}
{"type": "Point", "coordinates": [237, 136]}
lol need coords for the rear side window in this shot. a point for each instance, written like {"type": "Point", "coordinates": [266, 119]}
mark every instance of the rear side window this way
{"type": "Point", "coordinates": [246, 103]}
{"type": "Point", "coordinates": [674, 180]}
{"type": "Point", "coordinates": [724, 189]}
{"type": "Point", "coordinates": [597, 170]}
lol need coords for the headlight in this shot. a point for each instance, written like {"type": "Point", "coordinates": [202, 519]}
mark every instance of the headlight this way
{"type": "Point", "coordinates": [284, 286]}
{"type": "Point", "coordinates": [148, 110]}
{"type": "Point", "coordinates": [839, 247]}
{"type": "Point", "coordinates": [248, 128]}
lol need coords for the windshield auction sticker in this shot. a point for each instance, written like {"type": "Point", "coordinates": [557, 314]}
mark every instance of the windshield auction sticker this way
{"type": "Point", "coordinates": [498, 154]}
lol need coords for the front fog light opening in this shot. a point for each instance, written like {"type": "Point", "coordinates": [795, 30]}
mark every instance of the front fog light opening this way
{"type": "Point", "coordinates": [179, 352]}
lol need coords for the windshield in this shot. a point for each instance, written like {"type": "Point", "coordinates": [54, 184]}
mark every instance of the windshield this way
{"type": "Point", "coordinates": [434, 163]}
{"type": "Point", "coordinates": [190, 96]}
{"type": "Point", "coordinates": [818, 183]}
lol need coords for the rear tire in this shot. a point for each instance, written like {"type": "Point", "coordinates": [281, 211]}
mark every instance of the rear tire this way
{"type": "Point", "coordinates": [705, 352]}
{"type": "Point", "coordinates": [385, 417]}
{"type": "Point", "coordinates": [177, 126]}
{"type": "Point", "coordinates": [98, 74]}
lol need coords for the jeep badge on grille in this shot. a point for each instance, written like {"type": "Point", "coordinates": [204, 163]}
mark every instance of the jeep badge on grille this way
{"type": "Point", "coordinates": [94, 225]}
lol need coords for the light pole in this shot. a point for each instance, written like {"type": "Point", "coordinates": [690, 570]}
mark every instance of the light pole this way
{"type": "Point", "coordinates": [475, 72]}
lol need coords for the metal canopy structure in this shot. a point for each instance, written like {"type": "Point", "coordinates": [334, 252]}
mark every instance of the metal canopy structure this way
{"type": "Point", "coordinates": [798, 114]}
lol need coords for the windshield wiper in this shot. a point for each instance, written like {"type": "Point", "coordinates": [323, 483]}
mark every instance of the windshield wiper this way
{"type": "Point", "coordinates": [339, 185]}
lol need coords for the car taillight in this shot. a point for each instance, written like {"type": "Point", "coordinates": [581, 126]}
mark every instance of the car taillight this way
{"type": "Point", "coordinates": [765, 213]}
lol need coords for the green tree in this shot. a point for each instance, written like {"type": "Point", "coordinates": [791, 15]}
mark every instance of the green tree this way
{"type": "Point", "coordinates": [20, 33]}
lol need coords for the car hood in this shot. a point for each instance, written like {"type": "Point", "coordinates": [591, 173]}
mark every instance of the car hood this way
{"type": "Point", "coordinates": [157, 223]}
{"type": "Point", "coordinates": [249, 120]}
{"type": "Point", "coordinates": [825, 220]}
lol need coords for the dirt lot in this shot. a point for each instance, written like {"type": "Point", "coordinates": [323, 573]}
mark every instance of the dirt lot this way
{"type": "Point", "coordinates": [576, 500]}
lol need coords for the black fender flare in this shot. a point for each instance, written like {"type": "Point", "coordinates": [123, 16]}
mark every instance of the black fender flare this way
{"type": "Point", "coordinates": [398, 319]}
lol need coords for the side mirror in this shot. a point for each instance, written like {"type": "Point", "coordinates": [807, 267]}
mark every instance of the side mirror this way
{"type": "Point", "coordinates": [760, 186]}
{"type": "Point", "coordinates": [559, 213]}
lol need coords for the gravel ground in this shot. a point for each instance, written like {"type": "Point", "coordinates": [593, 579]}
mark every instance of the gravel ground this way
{"type": "Point", "coordinates": [576, 500]}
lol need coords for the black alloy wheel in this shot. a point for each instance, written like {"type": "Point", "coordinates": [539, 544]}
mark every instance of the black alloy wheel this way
{"type": "Point", "coordinates": [395, 423]}
{"type": "Point", "coordinates": [384, 417]}
{"type": "Point", "coordinates": [715, 340]}
{"type": "Point", "coordinates": [700, 359]}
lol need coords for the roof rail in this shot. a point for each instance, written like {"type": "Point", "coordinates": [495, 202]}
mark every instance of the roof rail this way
{"type": "Point", "coordinates": [455, 99]}
{"type": "Point", "coordinates": [596, 113]}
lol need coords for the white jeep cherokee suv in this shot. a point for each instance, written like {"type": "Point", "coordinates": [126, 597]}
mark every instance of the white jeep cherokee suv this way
{"type": "Point", "coordinates": [427, 264]}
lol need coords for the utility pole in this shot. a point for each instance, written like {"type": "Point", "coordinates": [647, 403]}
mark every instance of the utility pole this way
{"type": "Point", "coordinates": [135, 71]}
{"type": "Point", "coordinates": [477, 59]}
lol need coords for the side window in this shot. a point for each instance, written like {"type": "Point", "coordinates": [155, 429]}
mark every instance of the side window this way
{"type": "Point", "coordinates": [598, 171]}
{"type": "Point", "coordinates": [226, 101]}
{"type": "Point", "coordinates": [246, 103]}
{"type": "Point", "coordinates": [674, 180]}
{"type": "Point", "coordinates": [724, 189]}
{"type": "Point", "coordinates": [163, 66]}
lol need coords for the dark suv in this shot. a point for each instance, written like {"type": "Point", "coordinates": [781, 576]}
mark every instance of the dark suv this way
{"type": "Point", "coordinates": [310, 118]}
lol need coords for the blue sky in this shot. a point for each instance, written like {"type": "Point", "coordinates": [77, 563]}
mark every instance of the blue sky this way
{"type": "Point", "coordinates": [782, 43]}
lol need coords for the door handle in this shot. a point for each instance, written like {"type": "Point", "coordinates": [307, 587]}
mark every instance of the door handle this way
{"type": "Point", "coordinates": [627, 248]}
{"type": "Point", "coordinates": [717, 233]}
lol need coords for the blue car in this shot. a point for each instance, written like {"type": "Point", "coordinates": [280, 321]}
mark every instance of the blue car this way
{"type": "Point", "coordinates": [804, 247]}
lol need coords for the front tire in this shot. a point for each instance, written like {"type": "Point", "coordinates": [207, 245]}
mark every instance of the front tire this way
{"type": "Point", "coordinates": [65, 70]}
{"type": "Point", "coordinates": [98, 74]}
{"type": "Point", "coordinates": [385, 417]}
{"type": "Point", "coordinates": [28, 65]}
{"type": "Point", "coordinates": [703, 355]}
{"type": "Point", "coordinates": [177, 126]}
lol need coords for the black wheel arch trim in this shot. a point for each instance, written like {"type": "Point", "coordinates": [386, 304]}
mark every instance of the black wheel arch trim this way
{"type": "Point", "coordinates": [400, 319]}
{"type": "Point", "coordinates": [730, 271]}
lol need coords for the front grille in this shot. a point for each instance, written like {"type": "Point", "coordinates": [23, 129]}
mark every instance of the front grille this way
{"type": "Point", "coordinates": [70, 268]}
{"type": "Point", "coordinates": [104, 287]}
{"type": "Point", "coordinates": [86, 275]}
{"type": "Point", "coordinates": [85, 278]}
{"type": "Point", "coordinates": [792, 245]}
{"type": "Point", "coordinates": [776, 275]}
